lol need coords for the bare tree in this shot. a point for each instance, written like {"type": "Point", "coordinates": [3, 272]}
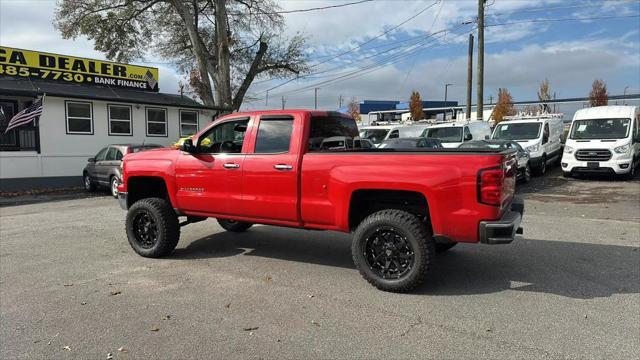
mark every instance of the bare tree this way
{"type": "Point", "coordinates": [415, 106]}
{"type": "Point", "coordinates": [598, 95]}
{"type": "Point", "coordinates": [504, 105]}
{"type": "Point", "coordinates": [544, 95]}
{"type": "Point", "coordinates": [222, 44]}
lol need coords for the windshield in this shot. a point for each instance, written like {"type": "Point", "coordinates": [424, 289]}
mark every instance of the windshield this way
{"type": "Point", "coordinates": [445, 134]}
{"type": "Point", "coordinates": [522, 131]}
{"type": "Point", "coordinates": [600, 129]}
{"type": "Point", "coordinates": [375, 135]}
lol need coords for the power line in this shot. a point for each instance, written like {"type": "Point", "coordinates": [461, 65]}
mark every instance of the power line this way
{"type": "Point", "coordinates": [357, 47]}
{"type": "Point", "coordinates": [317, 8]}
{"type": "Point", "coordinates": [564, 19]}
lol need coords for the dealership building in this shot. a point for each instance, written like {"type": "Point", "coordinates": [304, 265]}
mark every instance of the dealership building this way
{"type": "Point", "coordinates": [87, 104]}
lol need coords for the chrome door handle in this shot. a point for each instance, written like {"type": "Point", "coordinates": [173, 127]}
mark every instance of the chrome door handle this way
{"type": "Point", "coordinates": [282, 167]}
{"type": "Point", "coordinates": [231, 166]}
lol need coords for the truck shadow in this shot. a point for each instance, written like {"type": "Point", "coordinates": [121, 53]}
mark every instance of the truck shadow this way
{"type": "Point", "coordinates": [569, 269]}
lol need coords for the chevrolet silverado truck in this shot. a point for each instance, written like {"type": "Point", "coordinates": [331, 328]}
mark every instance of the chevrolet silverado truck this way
{"type": "Point", "coordinates": [269, 167]}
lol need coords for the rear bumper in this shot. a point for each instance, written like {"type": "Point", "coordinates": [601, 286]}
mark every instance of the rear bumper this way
{"type": "Point", "coordinates": [503, 231]}
{"type": "Point", "coordinates": [122, 200]}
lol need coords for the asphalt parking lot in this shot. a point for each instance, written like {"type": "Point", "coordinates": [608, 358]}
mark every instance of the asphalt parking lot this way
{"type": "Point", "coordinates": [71, 287]}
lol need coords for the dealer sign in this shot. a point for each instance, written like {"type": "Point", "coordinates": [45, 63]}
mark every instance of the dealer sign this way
{"type": "Point", "coordinates": [46, 66]}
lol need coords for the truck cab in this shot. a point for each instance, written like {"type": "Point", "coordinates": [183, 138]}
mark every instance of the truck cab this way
{"type": "Point", "coordinates": [603, 139]}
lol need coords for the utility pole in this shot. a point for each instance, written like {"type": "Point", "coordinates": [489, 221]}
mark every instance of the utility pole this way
{"type": "Point", "coordinates": [283, 102]}
{"type": "Point", "coordinates": [339, 101]}
{"type": "Point", "coordinates": [469, 76]}
{"type": "Point", "coordinates": [315, 98]}
{"type": "Point", "coordinates": [480, 91]}
{"type": "Point", "coordinates": [444, 116]}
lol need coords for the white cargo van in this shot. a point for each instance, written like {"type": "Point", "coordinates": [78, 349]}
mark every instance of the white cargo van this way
{"type": "Point", "coordinates": [603, 139]}
{"type": "Point", "coordinates": [453, 134]}
{"type": "Point", "coordinates": [376, 134]}
{"type": "Point", "coordinates": [540, 136]}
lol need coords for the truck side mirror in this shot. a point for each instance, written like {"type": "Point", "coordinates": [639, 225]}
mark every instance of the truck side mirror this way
{"type": "Point", "coordinates": [468, 137]}
{"type": "Point", "coordinates": [187, 146]}
{"type": "Point", "coordinates": [91, 160]}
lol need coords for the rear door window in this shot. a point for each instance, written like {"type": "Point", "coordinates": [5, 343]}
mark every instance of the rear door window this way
{"type": "Point", "coordinates": [274, 135]}
{"type": "Point", "coordinates": [111, 154]}
{"type": "Point", "coordinates": [326, 127]}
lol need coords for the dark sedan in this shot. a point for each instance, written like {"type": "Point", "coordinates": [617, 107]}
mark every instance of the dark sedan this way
{"type": "Point", "coordinates": [524, 170]}
{"type": "Point", "coordinates": [411, 143]}
{"type": "Point", "coordinates": [105, 169]}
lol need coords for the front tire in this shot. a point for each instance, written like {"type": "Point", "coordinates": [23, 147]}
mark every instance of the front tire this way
{"type": "Point", "coordinates": [152, 227]}
{"type": "Point", "coordinates": [393, 250]}
{"type": "Point", "coordinates": [88, 184]}
{"type": "Point", "coordinates": [234, 226]}
{"type": "Point", "coordinates": [542, 169]}
{"type": "Point", "coordinates": [527, 174]}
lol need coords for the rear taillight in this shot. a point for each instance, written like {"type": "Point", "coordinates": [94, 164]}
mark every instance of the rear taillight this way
{"type": "Point", "coordinates": [496, 185]}
{"type": "Point", "coordinates": [490, 184]}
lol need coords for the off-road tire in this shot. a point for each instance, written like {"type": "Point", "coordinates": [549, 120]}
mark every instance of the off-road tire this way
{"type": "Point", "coordinates": [418, 235]}
{"type": "Point", "coordinates": [234, 226]}
{"type": "Point", "coordinates": [87, 183]}
{"type": "Point", "coordinates": [112, 191]}
{"type": "Point", "coordinates": [166, 220]}
{"type": "Point", "coordinates": [442, 247]}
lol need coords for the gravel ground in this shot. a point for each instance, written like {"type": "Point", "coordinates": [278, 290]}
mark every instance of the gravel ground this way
{"type": "Point", "coordinates": [71, 287]}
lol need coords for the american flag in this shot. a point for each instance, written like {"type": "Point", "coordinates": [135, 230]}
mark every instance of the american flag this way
{"type": "Point", "coordinates": [25, 116]}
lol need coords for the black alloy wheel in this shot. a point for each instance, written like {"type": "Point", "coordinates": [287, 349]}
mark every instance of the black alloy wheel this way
{"type": "Point", "coordinates": [145, 230]}
{"type": "Point", "coordinates": [388, 253]}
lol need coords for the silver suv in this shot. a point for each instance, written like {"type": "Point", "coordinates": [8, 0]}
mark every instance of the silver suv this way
{"type": "Point", "coordinates": [105, 169]}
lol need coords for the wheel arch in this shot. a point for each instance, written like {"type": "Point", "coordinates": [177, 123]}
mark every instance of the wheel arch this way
{"type": "Point", "coordinates": [366, 201]}
{"type": "Point", "coordinates": [142, 187]}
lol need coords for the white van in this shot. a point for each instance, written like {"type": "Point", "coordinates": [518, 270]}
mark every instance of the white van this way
{"type": "Point", "coordinates": [540, 136]}
{"type": "Point", "coordinates": [603, 139]}
{"type": "Point", "coordinates": [453, 134]}
{"type": "Point", "coordinates": [376, 134]}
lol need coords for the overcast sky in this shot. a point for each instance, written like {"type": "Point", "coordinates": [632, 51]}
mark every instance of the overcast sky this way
{"type": "Point", "coordinates": [571, 54]}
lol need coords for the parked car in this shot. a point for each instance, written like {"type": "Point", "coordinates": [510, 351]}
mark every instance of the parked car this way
{"type": "Point", "coordinates": [541, 137]}
{"type": "Point", "coordinates": [603, 139]}
{"type": "Point", "coordinates": [524, 169]}
{"type": "Point", "coordinates": [455, 133]}
{"type": "Point", "coordinates": [395, 203]}
{"type": "Point", "coordinates": [105, 169]}
{"type": "Point", "coordinates": [411, 143]}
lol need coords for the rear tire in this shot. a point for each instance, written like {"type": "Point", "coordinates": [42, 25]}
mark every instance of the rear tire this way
{"type": "Point", "coordinates": [152, 227]}
{"type": "Point", "coordinates": [113, 186]}
{"type": "Point", "coordinates": [234, 226]}
{"type": "Point", "coordinates": [393, 238]}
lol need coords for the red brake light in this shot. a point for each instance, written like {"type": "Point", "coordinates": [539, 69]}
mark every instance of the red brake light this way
{"type": "Point", "coordinates": [490, 186]}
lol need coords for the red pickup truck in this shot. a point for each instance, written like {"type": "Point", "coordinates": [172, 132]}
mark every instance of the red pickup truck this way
{"type": "Point", "coordinates": [270, 167]}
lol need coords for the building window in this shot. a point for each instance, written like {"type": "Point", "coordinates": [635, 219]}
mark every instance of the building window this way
{"type": "Point", "coordinates": [188, 123]}
{"type": "Point", "coordinates": [119, 120]}
{"type": "Point", "coordinates": [156, 122]}
{"type": "Point", "coordinates": [22, 138]}
{"type": "Point", "coordinates": [79, 117]}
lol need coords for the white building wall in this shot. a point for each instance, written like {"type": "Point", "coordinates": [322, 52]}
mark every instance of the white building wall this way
{"type": "Point", "coordinates": [63, 154]}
